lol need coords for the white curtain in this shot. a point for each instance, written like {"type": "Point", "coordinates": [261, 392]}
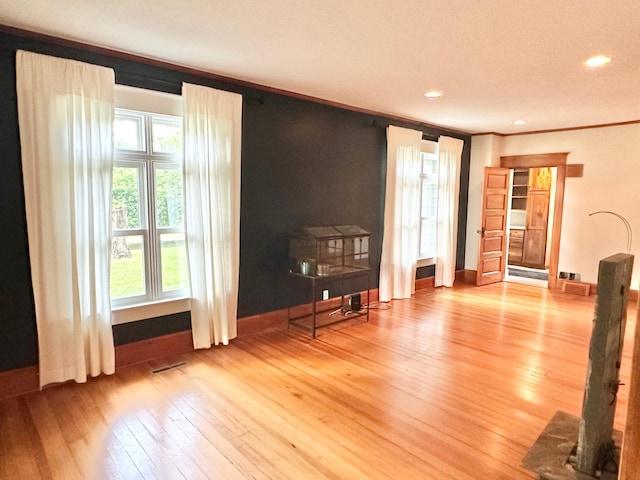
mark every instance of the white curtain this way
{"type": "Point", "coordinates": [212, 140]}
{"type": "Point", "coordinates": [401, 214]}
{"type": "Point", "coordinates": [65, 113]}
{"type": "Point", "coordinates": [449, 153]}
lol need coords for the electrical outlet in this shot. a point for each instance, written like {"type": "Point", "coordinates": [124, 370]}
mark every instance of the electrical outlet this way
{"type": "Point", "coordinates": [325, 294]}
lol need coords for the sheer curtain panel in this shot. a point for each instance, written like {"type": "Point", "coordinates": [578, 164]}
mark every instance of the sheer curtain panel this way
{"type": "Point", "coordinates": [450, 153]}
{"type": "Point", "coordinates": [65, 114]}
{"type": "Point", "coordinates": [212, 139]}
{"type": "Point", "coordinates": [401, 214]}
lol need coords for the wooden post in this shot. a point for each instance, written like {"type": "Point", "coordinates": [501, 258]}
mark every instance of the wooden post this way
{"type": "Point", "coordinates": [630, 457]}
{"type": "Point", "coordinates": [605, 355]}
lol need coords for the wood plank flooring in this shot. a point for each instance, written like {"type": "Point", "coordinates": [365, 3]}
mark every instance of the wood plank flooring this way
{"type": "Point", "coordinates": [456, 384]}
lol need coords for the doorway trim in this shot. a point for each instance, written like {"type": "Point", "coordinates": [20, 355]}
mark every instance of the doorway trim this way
{"type": "Point", "coordinates": [558, 160]}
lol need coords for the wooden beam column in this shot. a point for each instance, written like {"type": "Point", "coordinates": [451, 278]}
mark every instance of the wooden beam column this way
{"type": "Point", "coordinates": [630, 457]}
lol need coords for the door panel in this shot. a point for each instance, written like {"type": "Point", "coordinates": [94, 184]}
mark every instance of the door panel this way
{"type": "Point", "coordinates": [495, 223]}
{"type": "Point", "coordinates": [491, 265]}
{"type": "Point", "coordinates": [497, 180]}
{"type": "Point", "coordinates": [495, 202]}
{"type": "Point", "coordinates": [535, 237]}
{"type": "Point", "coordinates": [538, 210]}
{"type": "Point", "coordinates": [493, 246]}
{"type": "Point", "coordinates": [533, 250]}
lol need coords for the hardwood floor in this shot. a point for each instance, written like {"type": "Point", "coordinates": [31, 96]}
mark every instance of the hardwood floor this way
{"type": "Point", "coordinates": [456, 384]}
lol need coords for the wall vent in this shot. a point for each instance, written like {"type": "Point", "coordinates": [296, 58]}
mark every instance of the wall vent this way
{"type": "Point", "coordinates": [576, 288]}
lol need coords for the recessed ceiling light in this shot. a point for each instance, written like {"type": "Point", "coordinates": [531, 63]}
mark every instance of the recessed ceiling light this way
{"type": "Point", "coordinates": [433, 94]}
{"type": "Point", "coordinates": [519, 122]}
{"type": "Point", "coordinates": [597, 61]}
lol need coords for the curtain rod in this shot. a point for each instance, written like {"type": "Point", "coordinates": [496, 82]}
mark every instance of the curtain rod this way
{"type": "Point", "coordinates": [178, 84]}
{"type": "Point", "coordinates": [431, 136]}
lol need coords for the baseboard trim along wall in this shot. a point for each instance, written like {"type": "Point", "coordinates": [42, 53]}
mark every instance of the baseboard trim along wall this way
{"type": "Point", "coordinates": [427, 283]}
{"type": "Point", "coordinates": [469, 276]}
{"type": "Point", "coordinates": [24, 380]}
{"type": "Point", "coordinates": [152, 348]}
{"type": "Point", "coordinates": [21, 381]}
{"type": "Point", "coordinates": [18, 382]}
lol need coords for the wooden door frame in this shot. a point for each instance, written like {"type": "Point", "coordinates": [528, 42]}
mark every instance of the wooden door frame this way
{"type": "Point", "coordinates": [558, 160]}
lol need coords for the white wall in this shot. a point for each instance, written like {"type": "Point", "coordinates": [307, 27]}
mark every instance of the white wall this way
{"type": "Point", "coordinates": [611, 181]}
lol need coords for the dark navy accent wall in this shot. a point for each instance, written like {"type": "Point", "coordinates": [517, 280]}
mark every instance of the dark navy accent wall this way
{"type": "Point", "coordinates": [18, 337]}
{"type": "Point", "coordinates": [303, 163]}
{"type": "Point", "coordinates": [311, 164]}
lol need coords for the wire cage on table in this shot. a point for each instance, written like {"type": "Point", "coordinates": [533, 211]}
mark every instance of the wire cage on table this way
{"type": "Point", "coordinates": [329, 250]}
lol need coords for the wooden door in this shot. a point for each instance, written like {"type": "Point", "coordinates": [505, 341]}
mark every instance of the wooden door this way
{"type": "Point", "coordinates": [535, 236]}
{"type": "Point", "coordinates": [492, 257]}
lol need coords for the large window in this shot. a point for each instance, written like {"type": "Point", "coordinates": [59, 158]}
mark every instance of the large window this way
{"type": "Point", "coordinates": [428, 200]}
{"type": "Point", "coordinates": [148, 253]}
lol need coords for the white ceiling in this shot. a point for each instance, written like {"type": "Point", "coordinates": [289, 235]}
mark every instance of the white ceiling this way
{"type": "Point", "coordinates": [495, 60]}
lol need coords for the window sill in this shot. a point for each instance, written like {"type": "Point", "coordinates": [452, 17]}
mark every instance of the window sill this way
{"type": "Point", "coordinates": [132, 313]}
{"type": "Point", "coordinates": [424, 262]}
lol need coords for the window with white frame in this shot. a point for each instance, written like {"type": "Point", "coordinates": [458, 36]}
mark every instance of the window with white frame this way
{"type": "Point", "coordinates": [148, 252]}
{"type": "Point", "coordinates": [428, 200]}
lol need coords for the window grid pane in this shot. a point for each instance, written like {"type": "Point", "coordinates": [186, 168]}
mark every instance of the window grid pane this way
{"type": "Point", "coordinates": [429, 199]}
{"type": "Point", "coordinates": [427, 237]}
{"type": "Point", "coordinates": [125, 202]}
{"type": "Point", "coordinates": [127, 266]}
{"type": "Point", "coordinates": [173, 256]}
{"type": "Point", "coordinates": [167, 135]}
{"type": "Point", "coordinates": [430, 164]}
{"type": "Point", "coordinates": [128, 132]}
{"type": "Point", "coordinates": [169, 200]}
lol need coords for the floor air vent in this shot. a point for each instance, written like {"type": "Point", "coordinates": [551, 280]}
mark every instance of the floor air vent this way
{"type": "Point", "coordinates": [168, 367]}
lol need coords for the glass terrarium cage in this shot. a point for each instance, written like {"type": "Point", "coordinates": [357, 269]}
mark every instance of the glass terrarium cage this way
{"type": "Point", "coordinates": [325, 251]}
